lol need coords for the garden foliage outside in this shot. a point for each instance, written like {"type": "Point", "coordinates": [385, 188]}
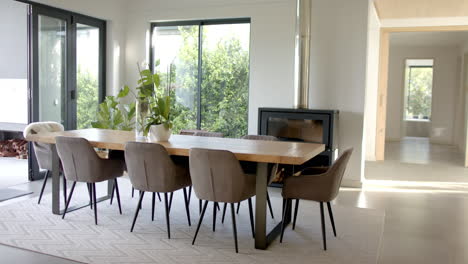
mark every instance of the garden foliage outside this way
{"type": "Point", "coordinates": [419, 94]}
{"type": "Point", "coordinates": [224, 84]}
{"type": "Point", "coordinates": [224, 90]}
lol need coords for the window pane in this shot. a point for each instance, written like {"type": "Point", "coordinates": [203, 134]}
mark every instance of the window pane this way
{"type": "Point", "coordinates": [419, 92]}
{"type": "Point", "coordinates": [87, 76]}
{"type": "Point", "coordinates": [52, 34]}
{"type": "Point", "coordinates": [176, 52]}
{"type": "Point", "coordinates": [225, 79]}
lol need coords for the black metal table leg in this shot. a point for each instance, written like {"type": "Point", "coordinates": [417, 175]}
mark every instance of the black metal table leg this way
{"type": "Point", "coordinates": [262, 238]}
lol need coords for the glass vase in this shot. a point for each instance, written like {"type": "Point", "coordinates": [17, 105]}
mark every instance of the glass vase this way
{"type": "Point", "coordinates": [142, 112]}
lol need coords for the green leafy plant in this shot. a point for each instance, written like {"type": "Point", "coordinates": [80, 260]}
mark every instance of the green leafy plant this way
{"type": "Point", "coordinates": [160, 109]}
{"type": "Point", "coordinates": [114, 114]}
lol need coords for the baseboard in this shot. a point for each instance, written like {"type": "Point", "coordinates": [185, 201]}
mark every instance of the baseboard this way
{"type": "Point", "coordinates": [351, 183]}
{"type": "Point", "coordinates": [393, 139]}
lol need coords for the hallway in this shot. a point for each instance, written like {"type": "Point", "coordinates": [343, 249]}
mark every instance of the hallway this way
{"type": "Point", "coordinates": [416, 159]}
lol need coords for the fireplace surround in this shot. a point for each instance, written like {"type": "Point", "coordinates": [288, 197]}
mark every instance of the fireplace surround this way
{"type": "Point", "coordinates": [303, 125]}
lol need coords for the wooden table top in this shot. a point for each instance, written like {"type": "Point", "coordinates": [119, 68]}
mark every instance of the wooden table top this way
{"type": "Point", "coordinates": [284, 152]}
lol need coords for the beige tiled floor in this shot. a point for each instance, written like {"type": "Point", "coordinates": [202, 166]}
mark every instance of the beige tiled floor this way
{"type": "Point", "coordinates": [415, 159]}
{"type": "Point", "coordinates": [423, 189]}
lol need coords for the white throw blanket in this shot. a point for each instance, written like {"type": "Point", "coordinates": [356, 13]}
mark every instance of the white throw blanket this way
{"type": "Point", "coordinates": [40, 127]}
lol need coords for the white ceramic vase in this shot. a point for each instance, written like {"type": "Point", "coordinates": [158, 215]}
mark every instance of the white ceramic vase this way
{"type": "Point", "coordinates": [159, 133]}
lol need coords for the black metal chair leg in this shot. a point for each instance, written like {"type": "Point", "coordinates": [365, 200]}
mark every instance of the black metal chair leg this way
{"type": "Point", "coordinates": [112, 195]}
{"type": "Point", "coordinates": [43, 187]}
{"type": "Point", "coordinates": [187, 210]}
{"type": "Point", "coordinates": [224, 212]}
{"type": "Point", "coordinates": [90, 195]}
{"type": "Point", "coordinates": [189, 194]}
{"type": "Point", "coordinates": [153, 202]}
{"type": "Point", "coordinates": [287, 204]}
{"type": "Point", "coordinates": [116, 186]}
{"type": "Point", "coordinates": [170, 201]}
{"type": "Point", "coordinates": [214, 215]}
{"type": "Point", "coordinates": [251, 217]}
{"type": "Point", "coordinates": [217, 207]}
{"type": "Point", "coordinates": [166, 202]}
{"type": "Point", "coordinates": [234, 228]}
{"type": "Point", "coordinates": [133, 192]}
{"type": "Point", "coordinates": [238, 207]}
{"type": "Point", "coordinates": [296, 208]}
{"type": "Point", "coordinates": [322, 218]}
{"type": "Point", "coordinates": [200, 221]}
{"type": "Point", "coordinates": [332, 220]}
{"type": "Point", "coordinates": [159, 197]}
{"type": "Point", "coordinates": [64, 189]}
{"type": "Point", "coordinates": [269, 206]}
{"type": "Point", "coordinates": [142, 194]}
{"type": "Point", "coordinates": [68, 200]}
{"type": "Point", "coordinates": [95, 202]}
{"type": "Point", "coordinates": [200, 206]}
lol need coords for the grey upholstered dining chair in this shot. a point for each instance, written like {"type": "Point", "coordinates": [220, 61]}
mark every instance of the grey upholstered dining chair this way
{"type": "Point", "coordinates": [250, 167]}
{"type": "Point", "coordinates": [205, 134]}
{"type": "Point", "coordinates": [217, 176]}
{"type": "Point", "coordinates": [316, 184]}
{"type": "Point", "coordinates": [81, 163]}
{"type": "Point", "coordinates": [151, 169]}
{"type": "Point", "coordinates": [43, 151]}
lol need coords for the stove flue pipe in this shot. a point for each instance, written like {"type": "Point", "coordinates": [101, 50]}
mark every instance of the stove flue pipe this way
{"type": "Point", "coordinates": [302, 54]}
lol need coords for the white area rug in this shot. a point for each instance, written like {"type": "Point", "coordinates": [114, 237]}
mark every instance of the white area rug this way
{"type": "Point", "coordinates": [31, 226]}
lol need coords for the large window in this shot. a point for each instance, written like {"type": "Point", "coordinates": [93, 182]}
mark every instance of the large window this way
{"type": "Point", "coordinates": [418, 92]}
{"type": "Point", "coordinates": [205, 66]}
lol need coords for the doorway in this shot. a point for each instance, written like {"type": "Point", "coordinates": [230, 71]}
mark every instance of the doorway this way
{"type": "Point", "coordinates": [66, 69]}
{"type": "Point", "coordinates": [422, 102]}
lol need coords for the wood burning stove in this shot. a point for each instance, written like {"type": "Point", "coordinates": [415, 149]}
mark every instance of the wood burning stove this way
{"type": "Point", "coordinates": [303, 125]}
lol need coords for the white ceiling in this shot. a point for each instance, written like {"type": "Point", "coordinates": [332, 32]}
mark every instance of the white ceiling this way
{"type": "Point", "coordinates": [433, 39]}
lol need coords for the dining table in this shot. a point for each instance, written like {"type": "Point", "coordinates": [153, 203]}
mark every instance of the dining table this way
{"type": "Point", "coordinates": [261, 152]}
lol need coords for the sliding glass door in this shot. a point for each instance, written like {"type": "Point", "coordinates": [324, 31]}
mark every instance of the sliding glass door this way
{"type": "Point", "coordinates": [52, 68]}
{"type": "Point", "coordinates": [66, 68]}
{"type": "Point", "coordinates": [89, 78]}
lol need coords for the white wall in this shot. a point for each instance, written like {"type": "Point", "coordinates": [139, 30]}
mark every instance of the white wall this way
{"type": "Point", "coordinates": [271, 50]}
{"type": "Point", "coordinates": [338, 71]}
{"type": "Point", "coordinates": [13, 47]}
{"type": "Point", "coordinates": [13, 62]}
{"type": "Point", "coordinates": [113, 12]}
{"type": "Point", "coordinates": [372, 83]}
{"type": "Point", "coordinates": [444, 91]}
{"type": "Point", "coordinates": [460, 130]}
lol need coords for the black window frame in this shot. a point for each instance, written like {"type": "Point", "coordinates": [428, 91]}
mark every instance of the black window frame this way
{"type": "Point", "coordinates": [70, 96]}
{"type": "Point", "coordinates": [200, 24]}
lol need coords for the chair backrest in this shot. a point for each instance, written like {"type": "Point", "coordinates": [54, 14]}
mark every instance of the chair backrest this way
{"type": "Point", "coordinates": [190, 132]}
{"type": "Point", "coordinates": [260, 137]}
{"type": "Point", "coordinates": [208, 134]}
{"type": "Point", "coordinates": [150, 167]}
{"type": "Point", "coordinates": [80, 161]}
{"type": "Point", "coordinates": [217, 175]}
{"type": "Point", "coordinates": [42, 150]}
{"type": "Point", "coordinates": [336, 172]}
{"type": "Point", "coordinates": [273, 168]}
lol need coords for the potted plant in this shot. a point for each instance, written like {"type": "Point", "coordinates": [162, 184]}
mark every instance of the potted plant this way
{"type": "Point", "coordinates": [158, 122]}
